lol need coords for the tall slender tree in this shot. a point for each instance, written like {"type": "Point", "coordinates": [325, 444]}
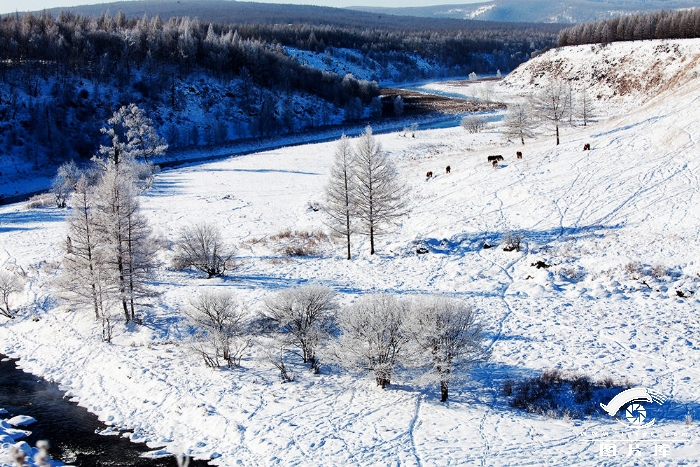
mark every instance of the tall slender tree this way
{"type": "Point", "coordinates": [340, 192]}
{"type": "Point", "coordinates": [380, 199]}
{"type": "Point", "coordinates": [84, 279]}
{"type": "Point", "coordinates": [552, 103]}
{"type": "Point", "coordinates": [518, 122]}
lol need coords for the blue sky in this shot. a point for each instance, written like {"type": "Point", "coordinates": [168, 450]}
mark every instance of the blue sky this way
{"type": "Point", "coordinates": [10, 6]}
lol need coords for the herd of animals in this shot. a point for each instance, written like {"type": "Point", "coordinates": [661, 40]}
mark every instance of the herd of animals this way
{"type": "Point", "coordinates": [496, 158]}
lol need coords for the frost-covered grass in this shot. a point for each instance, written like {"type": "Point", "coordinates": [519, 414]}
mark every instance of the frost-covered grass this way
{"type": "Point", "coordinates": [616, 225]}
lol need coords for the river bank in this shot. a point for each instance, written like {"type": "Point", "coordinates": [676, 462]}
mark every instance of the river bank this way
{"type": "Point", "coordinates": [71, 430]}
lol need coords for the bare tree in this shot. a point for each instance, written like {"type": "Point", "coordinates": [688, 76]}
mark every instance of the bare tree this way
{"type": "Point", "coordinates": [304, 317]}
{"type": "Point", "coordinates": [10, 284]}
{"type": "Point", "coordinates": [448, 337]}
{"type": "Point", "coordinates": [518, 122]}
{"type": "Point", "coordinates": [202, 247]}
{"type": "Point", "coordinates": [473, 123]}
{"type": "Point", "coordinates": [552, 103]}
{"type": "Point", "coordinates": [84, 279]}
{"type": "Point", "coordinates": [340, 192]}
{"type": "Point", "coordinates": [586, 107]}
{"type": "Point", "coordinates": [64, 183]}
{"type": "Point", "coordinates": [276, 354]}
{"type": "Point", "coordinates": [373, 335]}
{"type": "Point", "coordinates": [221, 332]}
{"type": "Point", "coordinates": [380, 200]}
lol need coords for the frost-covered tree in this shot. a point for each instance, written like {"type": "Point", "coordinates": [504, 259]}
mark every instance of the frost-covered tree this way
{"type": "Point", "coordinates": [221, 332]}
{"type": "Point", "coordinates": [10, 284]}
{"type": "Point", "coordinates": [131, 136]}
{"type": "Point", "coordinates": [380, 199]}
{"type": "Point", "coordinates": [64, 182]}
{"type": "Point", "coordinates": [203, 248]}
{"type": "Point", "coordinates": [448, 337]}
{"type": "Point", "coordinates": [551, 104]}
{"type": "Point", "coordinates": [473, 123]}
{"type": "Point", "coordinates": [304, 317]}
{"type": "Point", "coordinates": [126, 237]}
{"type": "Point", "coordinates": [84, 280]}
{"type": "Point", "coordinates": [340, 192]}
{"type": "Point", "coordinates": [373, 335]}
{"type": "Point", "coordinates": [518, 122]}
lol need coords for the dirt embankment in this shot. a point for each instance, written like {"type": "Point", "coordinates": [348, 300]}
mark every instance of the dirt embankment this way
{"type": "Point", "coordinates": [417, 103]}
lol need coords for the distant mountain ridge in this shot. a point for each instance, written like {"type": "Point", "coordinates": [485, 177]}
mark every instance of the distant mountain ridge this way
{"type": "Point", "coordinates": [537, 11]}
{"type": "Point", "coordinates": [233, 12]}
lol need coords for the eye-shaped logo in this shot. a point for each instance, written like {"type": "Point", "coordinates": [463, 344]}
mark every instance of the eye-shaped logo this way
{"type": "Point", "coordinates": [635, 412]}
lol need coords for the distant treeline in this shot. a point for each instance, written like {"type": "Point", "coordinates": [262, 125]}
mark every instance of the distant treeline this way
{"type": "Point", "coordinates": [681, 24]}
{"type": "Point", "coordinates": [110, 47]}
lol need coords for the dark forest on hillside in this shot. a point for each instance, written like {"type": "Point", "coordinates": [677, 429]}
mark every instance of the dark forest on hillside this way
{"type": "Point", "coordinates": [681, 24]}
{"type": "Point", "coordinates": [62, 74]}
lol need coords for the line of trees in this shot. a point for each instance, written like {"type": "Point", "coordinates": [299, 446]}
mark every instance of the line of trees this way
{"type": "Point", "coordinates": [680, 24]}
{"type": "Point", "coordinates": [555, 105]}
{"type": "Point", "coordinates": [109, 249]}
{"type": "Point", "coordinates": [432, 339]}
{"type": "Point", "coordinates": [363, 194]}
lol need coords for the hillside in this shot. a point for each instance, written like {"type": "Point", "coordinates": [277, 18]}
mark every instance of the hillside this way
{"type": "Point", "coordinates": [615, 227]}
{"type": "Point", "coordinates": [536, 11]}
{"type": "Point", "coordinates": [625, 73]}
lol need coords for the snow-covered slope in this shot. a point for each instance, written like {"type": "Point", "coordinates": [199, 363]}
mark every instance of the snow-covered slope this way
{"type": "Point", "coordinates": [627, 73]}
{"type": "Point", "coordinates": [618, 226]}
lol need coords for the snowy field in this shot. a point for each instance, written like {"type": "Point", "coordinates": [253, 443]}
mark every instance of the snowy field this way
{"type": "Point", "coordinates": [618, 226]}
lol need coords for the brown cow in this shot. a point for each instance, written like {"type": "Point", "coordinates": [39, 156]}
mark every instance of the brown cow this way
{"type": "Point", "coordinates": [519, 154]}
{"type": "Point", "coordinates": [429, 175]}
{"type": "Point", "coordinates": [494, 163]}
{"type": "Point", "coordinates": [587, 147]}
{"type": "Point", "coordinates": [447, 169]}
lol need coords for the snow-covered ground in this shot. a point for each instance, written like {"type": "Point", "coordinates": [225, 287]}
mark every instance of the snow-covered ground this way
{"type": "Point", "coordinates": [618, 225]}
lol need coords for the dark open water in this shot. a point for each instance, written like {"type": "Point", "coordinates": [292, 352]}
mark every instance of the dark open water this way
{"type": "Point", "coordinates": [69, 429]}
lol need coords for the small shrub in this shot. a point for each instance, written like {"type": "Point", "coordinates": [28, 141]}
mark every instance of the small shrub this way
{"type": "Point", "coordinates": [658, 271]}
{"type": "Point", "coordinates": [634, 269]}
{"type": "Point", "coordinates": [299, 243]}
{"type": "Point", "coordinates": [202, 247]}
{"type": "Point", "coordinates": [41, 201]}
{"type": "Point", "coordinates": [512, 241]}
{"type": "Point", "coordinates": [508, 387]}
{"type": "Point", "coordinates": [571, 273]}
{"type": "Point", "coordinates": [555, 394]}
{"type": "Point", "coordinates": [474, 123]}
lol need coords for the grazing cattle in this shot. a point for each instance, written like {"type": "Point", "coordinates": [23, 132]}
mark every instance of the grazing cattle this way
{"type": "Point", "coordinates": [494, 163]}
{"type": "Point", "coordinates": [495, 158]}
{"type": "Point", "coordinates": [447, 169]}
{"type": "Point", "coordinates": [519, 155]}
{"type": "Point", "coordinates": [587, 147]}
{"type": "Point", "coordinates": [429, 175]}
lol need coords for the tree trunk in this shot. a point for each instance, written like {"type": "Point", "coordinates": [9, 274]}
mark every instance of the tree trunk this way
{"type": "Point", "coordinates": [443, 391]}
{"type": "Point", "coordinates": [557, 126]}
{"type": "Point", "coordinates": [347, 230]}
{"type": "Point", "coordinates": [371, 239]}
